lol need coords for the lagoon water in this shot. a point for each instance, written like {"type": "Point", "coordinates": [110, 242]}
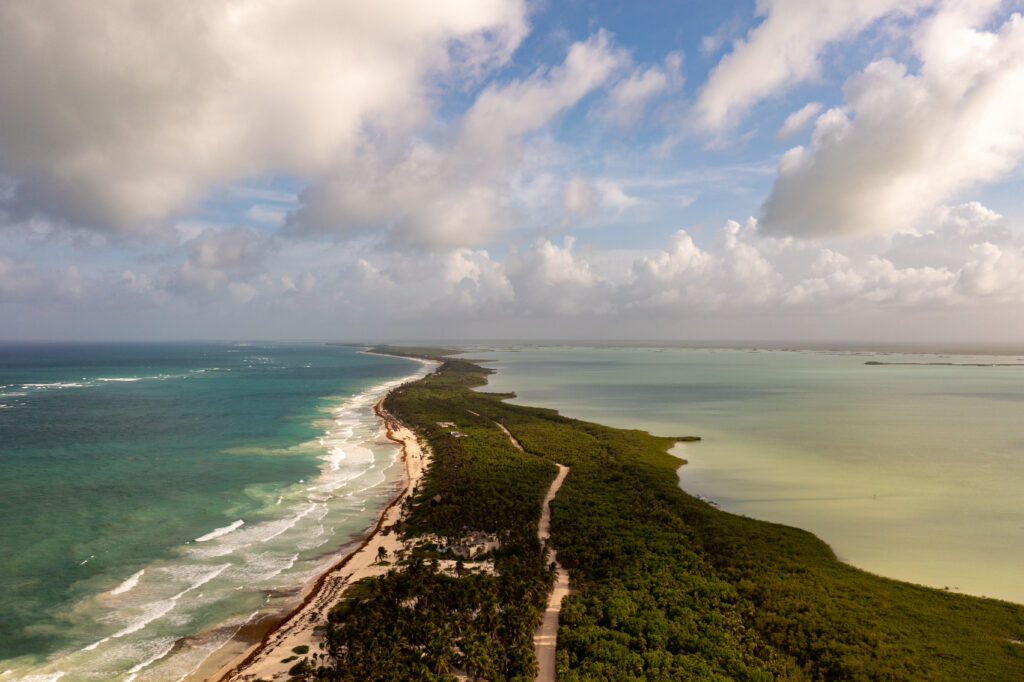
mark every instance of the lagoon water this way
{"type": "Point", "coordinates": [155, 498]}
{"type": "Point", "coordinates": [909, 471]}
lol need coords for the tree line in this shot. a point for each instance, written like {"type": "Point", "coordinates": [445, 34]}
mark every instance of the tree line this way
{"type": "Point", "coordinates": [665, 586]}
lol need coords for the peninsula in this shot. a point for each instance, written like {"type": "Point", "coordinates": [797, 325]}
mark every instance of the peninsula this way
{"type": "Point", "coordinates": [661, 585]}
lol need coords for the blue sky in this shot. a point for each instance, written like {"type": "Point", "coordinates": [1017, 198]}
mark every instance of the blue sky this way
{"type": "Point", "coordinates": [507, 169]}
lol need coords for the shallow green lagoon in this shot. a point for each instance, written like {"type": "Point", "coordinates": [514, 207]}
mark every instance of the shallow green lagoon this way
{"type": "Point", "coordinates": [910, 471]}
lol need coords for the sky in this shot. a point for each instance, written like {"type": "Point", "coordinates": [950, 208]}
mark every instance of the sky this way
{"type": "Point", "coordinates": [511, 169]}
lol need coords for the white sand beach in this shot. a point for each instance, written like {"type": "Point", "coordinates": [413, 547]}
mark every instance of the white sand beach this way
{"type": "Point", "coordinates": [264, 660]}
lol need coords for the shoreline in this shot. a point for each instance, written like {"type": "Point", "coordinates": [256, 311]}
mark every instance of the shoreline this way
{"type": "Point", "coordinates": [205, 638]}
{"type": "Point", "coordinates": [278, 634]}
{"type": "Point", "coordinates": [756, 559]}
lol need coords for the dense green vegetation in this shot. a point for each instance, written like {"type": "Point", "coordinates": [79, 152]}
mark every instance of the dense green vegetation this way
{"type": "Point", "coordinates": [665, 586]}
{"type": "Point", "coordinates": [419, 622]}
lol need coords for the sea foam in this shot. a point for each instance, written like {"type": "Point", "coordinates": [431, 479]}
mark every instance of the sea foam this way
{"type": "Point", "coordinates": [128, 584]}
{"type": "Point", "coordinates": [220, 531]}
{"type": "Point", "coordinates": [272, 554]}
{"type": "Point", "coordinates": [157, 609]}
{"type": "Point", "coordinates": [166, 648]}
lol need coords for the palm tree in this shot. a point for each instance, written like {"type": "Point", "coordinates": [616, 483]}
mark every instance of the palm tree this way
{"type": "Point", "coordinates": [382, 554]}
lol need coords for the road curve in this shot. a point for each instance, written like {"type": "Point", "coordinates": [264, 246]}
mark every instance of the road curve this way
{"type": "Point", "coordinates": [545, 639]}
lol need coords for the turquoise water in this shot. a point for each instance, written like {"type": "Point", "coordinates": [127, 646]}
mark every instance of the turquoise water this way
{"type": "Point", "coordinates": [909, 471]}
{"type": "Point", "coordinates": [151, 492]}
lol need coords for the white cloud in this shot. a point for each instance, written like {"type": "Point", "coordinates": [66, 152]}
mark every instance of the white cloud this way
{"type": "Point", "coordinates": [907, 142]}
{"type": "Point", "coordinates": [734, 275]}
{"type": "Point", "coordinates": [458, 194]}
{"type": "Point", "coordinates": [474, 281]}
{"type": "Point", "coordinates": [992, 273]}
{"type": "Point", "coordinates": [725, 33]}
{"type": "Point", "coordinates": [131, 112]}
{"type": "Point", "coordinates": [554, 280]}
{"type": "Point", "coordinates": [966, 260]}
{"type": "Point", "coordinates": [798, 120]}
{"type": "Point", "coordinates": [613, 196]}
{"type": "Point", "coordinates": [968, 263]}
{"type": "Point", "coordinates": [629, 98]}
{"type": "Point", "coordinates": [228, 248]}
{"type": "Point", "coordinates": [502, 113]}
{"type": "Point", "coordinates": [221, 257]}
{"type": "Point", "coordinates": [783, 50]}
{"type": "Point", "coordinates": [578, 196]}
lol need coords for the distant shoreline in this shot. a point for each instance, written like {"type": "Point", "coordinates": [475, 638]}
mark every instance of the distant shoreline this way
{"type": "Point", "coordinates": [852, 347]}
{"type": "Point", "coordinates": [950, 364]}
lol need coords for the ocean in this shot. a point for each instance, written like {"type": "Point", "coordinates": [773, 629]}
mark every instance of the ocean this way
{"type": "Point", "coordinates": [156, 498]}
{"type": "Point", "coordinates": [911, 471]}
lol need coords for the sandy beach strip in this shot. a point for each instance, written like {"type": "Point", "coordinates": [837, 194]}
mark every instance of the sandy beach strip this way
{"type": "Point", "coordinates": [298, 628]}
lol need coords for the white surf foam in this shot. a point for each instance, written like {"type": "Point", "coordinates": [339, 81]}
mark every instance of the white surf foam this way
{"type": "Point", "coordinates": [336, 457]}
{"type": "Point", "coordinates": [220, 531]}
{"type": "Point", "coordinates": [279, 552]}
{"type": "Point", "coordinates": [86, 382]}
{"type": "Point", "coordinates": [158, 609]}
{"type": "Point", "coordinates": [134, 671]}
{"type": "Point", "coordinates": [289, 523]}
{"type": "Point", "coordinates": [261, 567]}
{"type": "Point", "coordinates": [128, 584]}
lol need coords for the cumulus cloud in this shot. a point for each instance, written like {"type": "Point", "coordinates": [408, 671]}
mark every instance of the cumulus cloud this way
{"type": "Point", "coordinates": [128, 115]}
{"type": "Point", "coordinates": [732, 275]}
{"type": "Point", "coordinates": [798, 120]}
{"type": "Point", "coordinates": [459, 193]}
{"type": "Point", "coordinates": [992, 273]}
{"type": "Point", "coordinates": [555, 280]}
{"type": "Point", "coordinates": [473, 281]}
{"type": "Point", "coordinates": [970, 261]}
{"type": "Point", "coordinates": [908, 141]}
{"type": "Point", "coordinates": [784, 50]}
